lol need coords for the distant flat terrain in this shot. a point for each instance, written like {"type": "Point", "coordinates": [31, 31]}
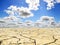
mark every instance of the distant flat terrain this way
{"type": "Point", "coordinates": [29, 36]}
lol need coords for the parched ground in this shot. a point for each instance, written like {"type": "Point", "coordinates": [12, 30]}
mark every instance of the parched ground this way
{"type": "Point", "coordinates": [29, 36]}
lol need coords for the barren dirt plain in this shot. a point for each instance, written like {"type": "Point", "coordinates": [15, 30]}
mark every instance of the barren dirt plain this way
{"type": "Point", "coordinates": [29, 36]}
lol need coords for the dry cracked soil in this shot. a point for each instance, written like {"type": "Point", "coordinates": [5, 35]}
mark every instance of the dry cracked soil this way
{"type": "Point", "coordinates": [29, 36]}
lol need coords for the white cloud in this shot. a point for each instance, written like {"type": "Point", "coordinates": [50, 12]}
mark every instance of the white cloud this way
{"type": "Point", "coordinates": [28, 23]}
{"type": "Point", "coordinates": [25, 12]}
{"type": "Point", "coordinates": [50, 4]}
{"type": "Point", "coordinates": [11, 18]}
{"type": "Point", "coordinates": [33, 4]}
{"type": "Point", "coordinates": [58, 25]}
{"type": "Point", "coordinates": [58, 1]}
{"type": "Point", "coordinates": [45, 21]}
{"type": "Point", "coordinates": [9, 12]}
{"type": "Point", "coordinates": [7, 24]}
{"type": "Point", "coordinates": [2, 21]}
{"type": "Point", "coordinates": [13, 8]}
{"type": "Point", "coordinates": [46, 18]}
{"type": "Point", "coordinates": [21, 24]}
{"type": "Point", "coordinates": [38, 23]}
{"type": "Point", "coordinates": [21, 12]}
{"type": "Point", "coordinates": [14, 15]}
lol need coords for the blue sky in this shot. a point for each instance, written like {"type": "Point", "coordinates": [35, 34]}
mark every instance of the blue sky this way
{"type": "Point", "coordinates": [42, 11]}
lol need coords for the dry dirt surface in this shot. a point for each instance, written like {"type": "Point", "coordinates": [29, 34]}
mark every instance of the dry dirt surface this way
{"type": "Point", "coordinates": [29, 36]}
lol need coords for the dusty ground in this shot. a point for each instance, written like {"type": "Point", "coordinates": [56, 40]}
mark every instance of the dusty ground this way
{"type": "Point", "coordinates": [29, 36]}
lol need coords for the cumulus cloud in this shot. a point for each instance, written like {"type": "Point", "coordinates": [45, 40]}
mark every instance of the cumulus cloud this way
{"type": "Point", "coordinates": [21, 24]}
{"type": "Point", "coordinates": [21, 12]}
{"type": "Point", "coordinates": [13, 8]}
{"type": "Point", "coordinates": [12, 25]}
{"type": "Point", "coordinates": [50, 4]}
{"type": "Point", "coordinates": [43, 22]}
{"type": "Point", "coordinates": [46, 21]}
{"type": "Point", "coordinates": [15, 14]}
{"type": "Point", "coordinates": [9, 12]}
{"type": "Point", "coordinates": [58, 25]}
{"type": "Point", "coordinates": [2, 21]}
{"type": "Point", "coordinates": [11, 18]}
{"type": "Point", "coordinates": [38, 23]}
{"type": "Point", "coordinates": [58, 1]}
{"type": "Point", "coordinates": [7, 24]}
{"type": "Point", "coordinates": [33, 4]}
{"type": "Point", "coordinates": [28, 23]}
{"type": "Point", "coordinates": [25, 12]}
{"type": "Point", "coordinates": [46, 18]}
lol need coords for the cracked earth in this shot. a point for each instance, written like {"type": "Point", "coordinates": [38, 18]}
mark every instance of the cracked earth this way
{"type": "Point", "coordinates": [29, 36]}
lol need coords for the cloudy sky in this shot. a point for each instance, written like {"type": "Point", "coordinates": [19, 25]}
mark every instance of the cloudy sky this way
{"type": "Point", "coordinates": [31, 10]}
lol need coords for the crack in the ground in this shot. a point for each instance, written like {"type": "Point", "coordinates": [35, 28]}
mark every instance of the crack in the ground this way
{"type": "Point", "coordinates": [52, 41]}
{"type": "Point", "coordinates": [11, 38]}
{"type": "Point", "coordinates": [8, 39]}
{"type": "Point", "coordinates": [29, 38]}
{"type": "Point", "coordinates": [18, 40]}
{"type": "Point", "coordinates": [0, 42]}
{"type": "Point", "coordinates": [34, 40]}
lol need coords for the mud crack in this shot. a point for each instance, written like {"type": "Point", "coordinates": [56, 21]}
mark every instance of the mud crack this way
{"type": "Point", "coordinates": [10, 38]}
{"type": "Point", "coordinates": [29, 38]}
{"type": "Point", "coordinates": [0, 42]}
{"type": "Point", "coordinates": [52, 41]}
